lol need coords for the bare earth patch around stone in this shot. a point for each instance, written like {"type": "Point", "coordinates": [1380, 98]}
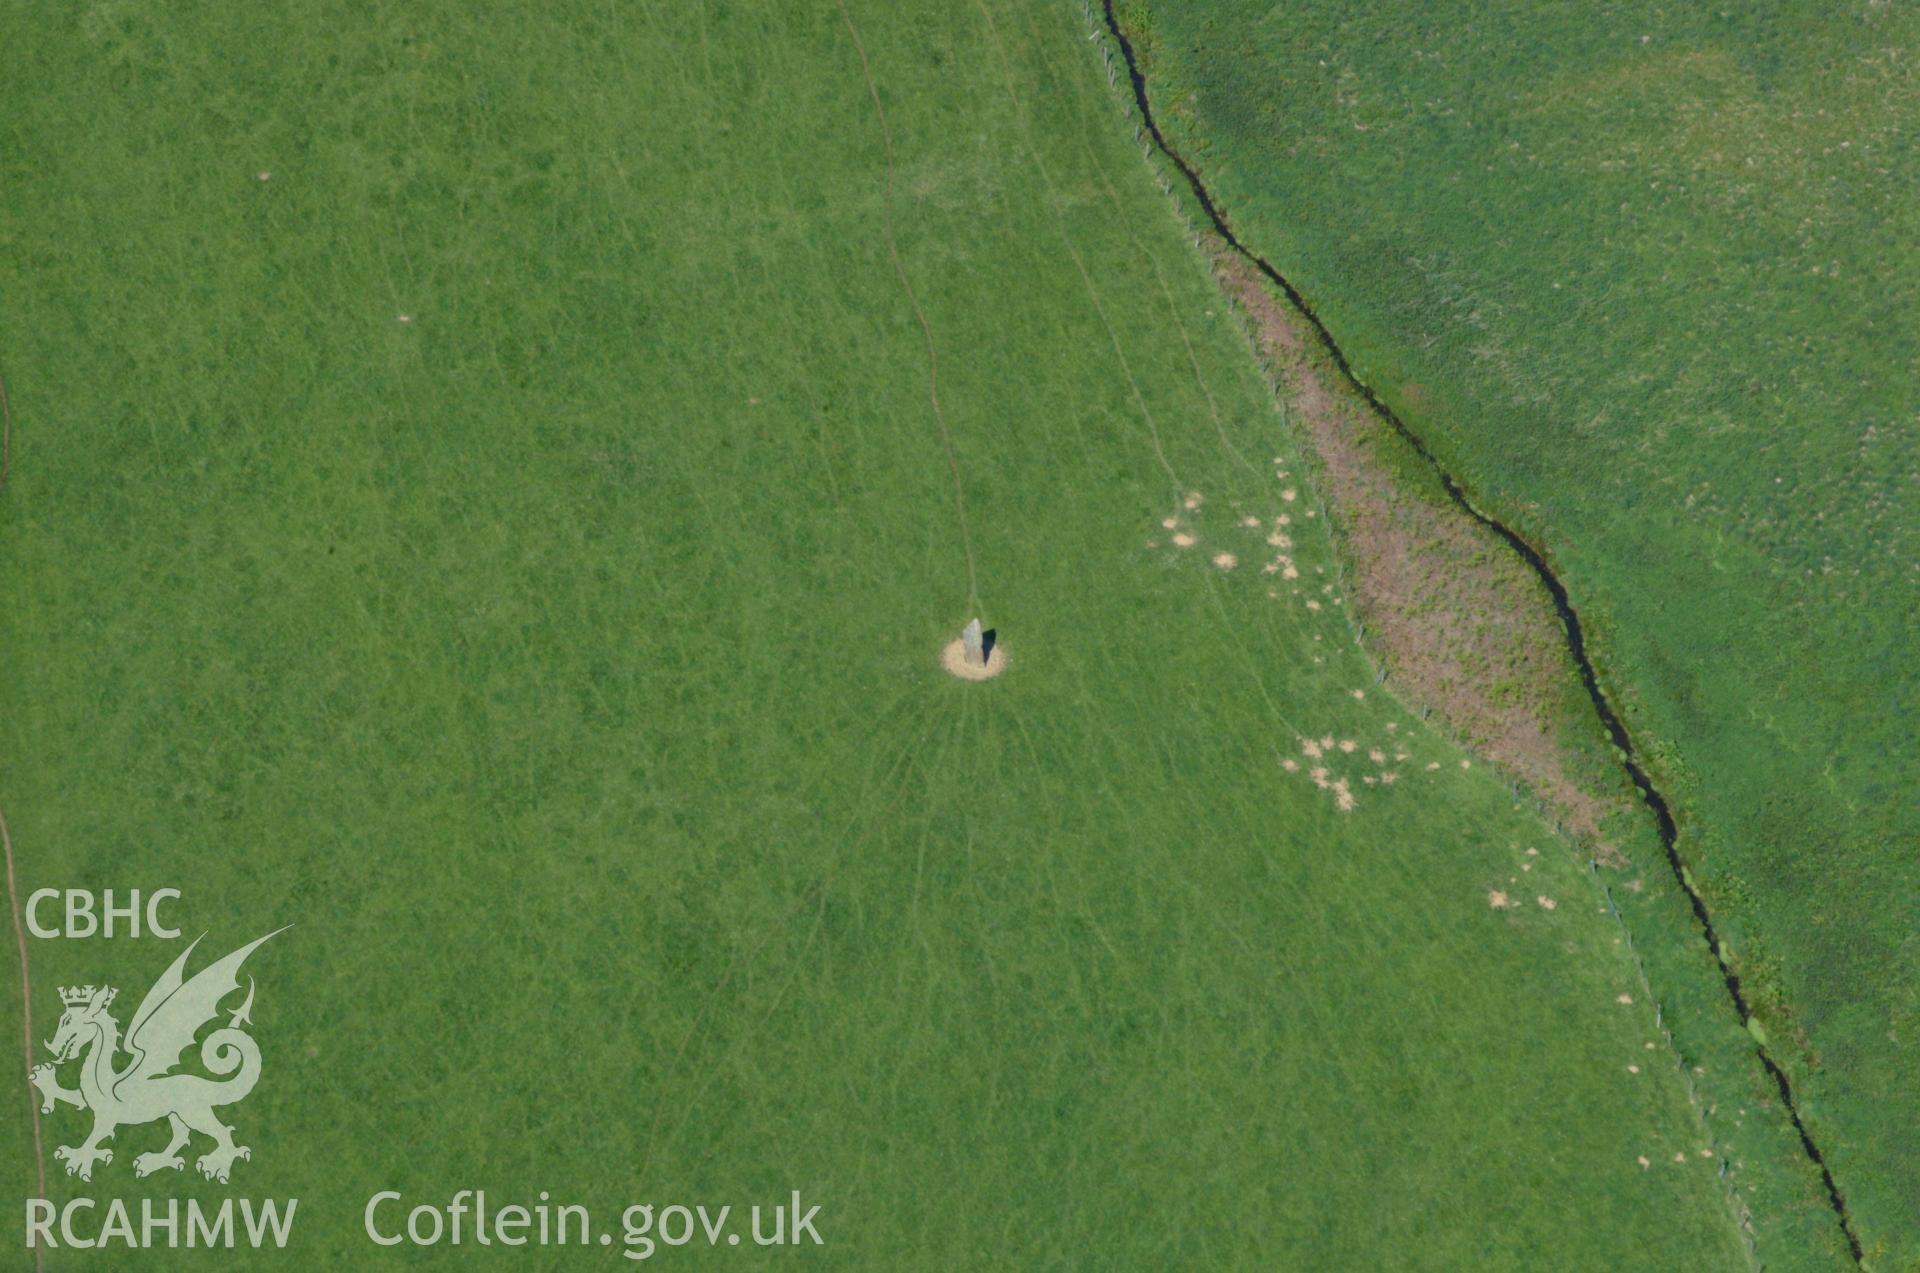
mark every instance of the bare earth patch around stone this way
{"type": "Point", "coordinates": [956, 660]}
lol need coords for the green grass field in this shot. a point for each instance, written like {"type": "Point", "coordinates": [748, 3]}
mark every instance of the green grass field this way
{"type": "Point", "coordinates": [474, 497]}
{"type": "Point", "coordinates": [1645, 279]}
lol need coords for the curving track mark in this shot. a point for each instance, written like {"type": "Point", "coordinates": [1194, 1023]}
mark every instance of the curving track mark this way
{"type": "Point", "coordinates": [13, 894]}
{"type": "Point", "coordinates": [1562, 605]}
{"type": "Point", "coordinates": [913, 299]}
{"type": "Point", "coordinates": [6, 436]}
{"type": "Point", "coordinates": [26, 1028]}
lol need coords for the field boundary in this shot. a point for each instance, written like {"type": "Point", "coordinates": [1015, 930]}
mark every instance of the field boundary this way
{"type": "Point", "coordinates": [1562, 604]}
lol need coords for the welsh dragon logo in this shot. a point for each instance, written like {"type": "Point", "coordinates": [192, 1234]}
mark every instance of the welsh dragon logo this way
{"type": "Point", "coordinates": [145, 1089]}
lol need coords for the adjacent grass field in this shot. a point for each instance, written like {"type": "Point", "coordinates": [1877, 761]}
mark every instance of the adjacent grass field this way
{"type": "Point", "coordinates": [1645, 277]}
{"type": "Point", "coordinates": [475, 498]}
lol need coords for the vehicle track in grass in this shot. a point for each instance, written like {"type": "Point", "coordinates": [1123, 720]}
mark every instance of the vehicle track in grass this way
{"type": "Point", "coordinates": [6, 436]}
{"type": "Point", "coordinates": [913, 299]}
{"type": "Point", "coordinates": [26, 1028]}
{"type": "Point", "coordinates": [13, 894]}
{"type": "Point", "coordinates": [1610, 720]}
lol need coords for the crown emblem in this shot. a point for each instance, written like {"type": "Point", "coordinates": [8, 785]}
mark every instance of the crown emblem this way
{"type": "Point", "coordinates": [79, 996]}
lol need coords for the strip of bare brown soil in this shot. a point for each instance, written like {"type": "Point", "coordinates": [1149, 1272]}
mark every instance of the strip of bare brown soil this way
{"type": "Point", "coordinates": [1530, 553]}
{"type": "Point", "coordinates": [1462, 625]}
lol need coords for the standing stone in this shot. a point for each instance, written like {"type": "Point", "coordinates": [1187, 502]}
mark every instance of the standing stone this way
{"type": "Point", "coordinates": [970, 638]}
